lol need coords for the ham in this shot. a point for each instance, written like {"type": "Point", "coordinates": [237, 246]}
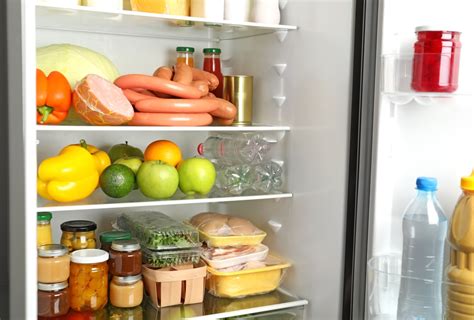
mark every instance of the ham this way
{"type": "Point", "coordinates": [100, 102]}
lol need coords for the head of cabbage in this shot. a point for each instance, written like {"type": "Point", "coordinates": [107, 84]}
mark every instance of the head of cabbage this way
{"type": "Point", "coordinates": [74, 62]}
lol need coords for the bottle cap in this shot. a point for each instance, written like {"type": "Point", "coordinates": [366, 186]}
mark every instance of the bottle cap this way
{"type": "Point", "coordinates": [427, 184]}
{"type": "Point", "coordinates": [437, 28]}
{"type": "Point", "coordinates": [109, 236]}
{"type": "Point", "coordinates": [52, 250]}
{"type": "Point", "coordinates": [125, 245]}
{"type": "Point", "coordinates": [211, 50]}
{"type": "Point", "coordinates": [467, 183]}
{"type": "Point", "coordinates": [185, 49]}
{"type": "Point", "coordinates": [44, 216]}
{"type": "Point", "coordinates": [52, 286]}
{"type": "Point", "coordinates": [127, 280]}
{"type": "Point", "coordinates": [200, 149]}
{"type": "Point", "coordinates": [89, 256]}
{"type": "Point", "coordinates": [78, 226]}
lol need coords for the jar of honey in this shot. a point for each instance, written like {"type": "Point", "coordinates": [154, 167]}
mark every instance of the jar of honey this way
{"type": "Point", "coordinates": [88, 279]}
{"type": "Point", "coordinates": [125, 258]}
{"type": "Point", "coordinates": [126, 292]}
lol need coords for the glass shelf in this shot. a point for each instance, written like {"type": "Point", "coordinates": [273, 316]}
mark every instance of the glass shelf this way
{"type": "Point", "coordinates": [82, 128]}
{"type": "Point", "coordinates": [134, 23]}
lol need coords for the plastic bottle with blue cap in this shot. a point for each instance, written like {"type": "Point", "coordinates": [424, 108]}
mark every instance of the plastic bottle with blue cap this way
{"type": "Point", "coordinates": [424, 233]}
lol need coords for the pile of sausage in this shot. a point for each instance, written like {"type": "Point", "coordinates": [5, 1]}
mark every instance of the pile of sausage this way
{"type": "Point", "coordinates": [179, 97]}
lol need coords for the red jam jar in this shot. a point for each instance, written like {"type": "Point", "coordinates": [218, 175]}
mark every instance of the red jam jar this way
{"type": "Point", "coordinates": [436, 60]}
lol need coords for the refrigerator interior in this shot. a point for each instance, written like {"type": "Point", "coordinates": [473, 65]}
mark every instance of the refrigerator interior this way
{"type": "Point", "coordinates": [302, 85]}
{"type": "Point", "coordinates": [417, 134]}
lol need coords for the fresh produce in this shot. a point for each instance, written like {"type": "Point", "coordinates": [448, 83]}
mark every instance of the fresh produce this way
{"type": "Point", "coordinates": [164, 150]}
{"type": "Point", "coordinates": [74, 62]}
{"type": "Point", "coordinates": [53, 97]}
{"type": "Point", "coordinates": [99, 102]}
{"type": "Point", "coordinates": [196, 175]}
{"type": "Point", "coordinates": [124, 150]}
{"type": "Point", "coordinates": [117, 181]}
{"type": "Point", "coordinates": [101, 158]}
{"type": "Point", "coordinates": [157, 180]}
{"type": "Point", "coordinates": [133, 163]}
{"type": "Point", "coordinates": [70, 176]}
{"type": "Point", "coordinates": [157, 231]}
{"type": "Point", "coordinates": [170, 119]}
{"type": "Point", "coordinates": [167, 258]}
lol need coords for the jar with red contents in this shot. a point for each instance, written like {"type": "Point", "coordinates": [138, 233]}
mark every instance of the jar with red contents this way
{"type": "Point", "coordinates": [436, 60]}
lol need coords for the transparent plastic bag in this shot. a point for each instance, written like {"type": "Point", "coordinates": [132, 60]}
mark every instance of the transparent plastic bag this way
{"type": "Point", "coordinates": [218, 224]}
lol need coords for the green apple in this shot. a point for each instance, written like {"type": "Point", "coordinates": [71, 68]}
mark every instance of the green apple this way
{"type": "Point", "coordinates": [124, 150]}
{"type": "Point", "coordinates": [196, 175]}
{"type": "Point", "coordinates": [157, 180]}
{"type": "Point", "coordinates": [133, 163]}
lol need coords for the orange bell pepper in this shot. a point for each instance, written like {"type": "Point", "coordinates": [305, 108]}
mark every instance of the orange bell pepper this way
{"type": "Point", "coordinates": [53, 97]}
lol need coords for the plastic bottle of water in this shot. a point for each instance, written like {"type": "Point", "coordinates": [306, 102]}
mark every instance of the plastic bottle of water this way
{"type": "Point", "coordinates": [424, 233]}
{"type": "Point", "coordinates": [242, 148]}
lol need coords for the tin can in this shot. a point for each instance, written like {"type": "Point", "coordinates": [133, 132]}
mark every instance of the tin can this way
{"type": "Point", "coordinates": [238, 89]}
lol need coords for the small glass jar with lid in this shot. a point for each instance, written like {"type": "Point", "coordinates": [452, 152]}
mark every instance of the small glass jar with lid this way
{"type": "Point", "coordinates": [126, 292]}
{"type": "Point", "coordinates": [107, 237]}
{"type": "Point", "coordinates": [125, 258]}
{"type": "Point", "coordinates": [88, 280]}
{"type": "Point", "coordinates": [78, 234]}
{"type": "Point", "coordinates": [53, 299]}
{"type": "Point", "coordinates": [185, 55]}
{"type": "Point", "coordinates": [43, 228]}
{"type": "Point", "coordinates": [53, 263]}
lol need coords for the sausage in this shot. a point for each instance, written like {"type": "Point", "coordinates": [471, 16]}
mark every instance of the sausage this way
{"type": "Point", "coordinates": [163, 73]}
{"type": "Point", "coordinates": [173, 88]}
{"type": "Point", "coordinates": [183, 73]}
{"type": "Point", "coordinates": [202, 86]}
{"type": "Point", "coordinates": [223, 122]}
{"type": "Point", "coordinates": [157, 105]}
{"type": "Point", "coordinates": [144, 92]}
{"type": "Point", "coordinates": [170, 119]}
{"type": "Point", "coordinates": [226, 109]}
{"type": "Point", "coordinates": [210, 78]}
{"type": "Point", "coordinates": [134, 96]}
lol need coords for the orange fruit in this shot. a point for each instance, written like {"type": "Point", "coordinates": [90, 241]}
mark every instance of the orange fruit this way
{"type": "Point", "coordinates": [164, 150]}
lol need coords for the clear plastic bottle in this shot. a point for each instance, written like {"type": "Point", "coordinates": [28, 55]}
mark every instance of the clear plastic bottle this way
{"type": "Point", "coordinates": [424, 232]}
{"type": "Point", "coordinates": [243, 148]}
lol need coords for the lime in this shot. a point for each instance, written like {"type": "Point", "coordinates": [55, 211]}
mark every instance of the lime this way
{"type": "Point", "coordinates": [117, 180]}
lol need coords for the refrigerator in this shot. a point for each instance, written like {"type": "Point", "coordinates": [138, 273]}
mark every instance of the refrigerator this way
{"type": "Point", "coordinates": [331, 83]}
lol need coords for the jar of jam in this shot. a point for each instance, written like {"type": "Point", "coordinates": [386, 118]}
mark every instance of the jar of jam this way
{"type": "Point", "coordinates": [185, 55]}
{"type": "Point", "coordinates": [43, 228]}
{"type": "Point", "coordinates": [436, 60]}
{"type": "Point", "coordinates": [78, 234]}
{"type": "Point", "coordinates": [53, 299]}
{"type": "Point", "coordinates": [125, 258]}
{"type": "Point", "coordinates": [53, 263]}
{"type": "Point", "coordinates": [88, 279]}
{"type": "Point", "coordinates": [126, 292]}
{"type": "Point", "coordinates": [107, 237]}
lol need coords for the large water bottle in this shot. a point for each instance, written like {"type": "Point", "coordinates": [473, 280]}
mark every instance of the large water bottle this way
{"type": "Point", "coordinates": [241, 148]}
{"type": "Point", "coordinates": [424, 233]}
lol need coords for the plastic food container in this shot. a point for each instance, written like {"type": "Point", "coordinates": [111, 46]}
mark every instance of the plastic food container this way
{"type": "Point", "coordinates": [172, 7]}
{"type": "Point", "coordinates": [175, 285]}
{"type": "Point", "coordinates": [78, 234]}
{"type": "Point", "coordinates": [231, 241]}
{"type": "Point", "coordinates": [246, 282]}
{"type": "Point", "coordinates": [167, 258]}
{"type": "Point", "coordinates": [436, 60]}
{"type": "Point", "coordinates": [260, 254]}
{"type": "Point", "coordinates": [53, 263]}
{"type": "Point", "coordinates": [157, 231]}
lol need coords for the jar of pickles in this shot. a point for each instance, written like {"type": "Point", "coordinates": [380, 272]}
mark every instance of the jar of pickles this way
{"type": "Point", "coordinates": [53, 299]}
{"type": "Point", "coordinates": [88, 279]}
{"type": "Point", "coordinates": [78, 234]}
{"type": "Point", "coordinates": [125, 258]}
{"type": "Point", "coordinates": [126, 292]}
{"type": "Point", "coordinates": [107, 237]}
{"type": "Point", "coordinates": [53, 263]}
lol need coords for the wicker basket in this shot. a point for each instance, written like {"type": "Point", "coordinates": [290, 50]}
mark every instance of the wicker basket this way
{"type": "Point", "coordinates": [175, 285]}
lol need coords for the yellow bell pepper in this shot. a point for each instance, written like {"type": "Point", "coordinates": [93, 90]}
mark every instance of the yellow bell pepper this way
{"type": "Point", "coordinates": [70, 176]}
{"type": "Point", "coordinates": [101, 158]}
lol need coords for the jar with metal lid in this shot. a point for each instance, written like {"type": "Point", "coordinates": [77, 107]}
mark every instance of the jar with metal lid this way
{"type": "Point", "coordinates": [107, 237]}
{"type": "Point", "coordinates": [53, 299]}
{"type": "Point", "coordinates": [43, 228]}
{"type": "Point", "coordinates": [78, 234]}
{"type": "Point", "coordinates": [126, 292]}
{"type": "Point", "coordinates": [88, 280]}
{"type": "Point", "coordinates": [125, 258]}
{"type": "Point", "coordinates": [185, 55]}
{"type": "Point", "coordinates": [53, 263]}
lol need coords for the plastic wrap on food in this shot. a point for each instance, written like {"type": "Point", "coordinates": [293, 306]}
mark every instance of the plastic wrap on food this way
{"type": "Point", "coordinates": [234, 257]}
{"type": "Point", "coordinates": [166, 258]}
{"type": "Point", "coordinates": [157, 231]}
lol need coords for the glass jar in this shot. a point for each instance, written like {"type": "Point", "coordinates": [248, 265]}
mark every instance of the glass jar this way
{"type": "Point", "coordinates": [126, 292]}
{"type": "Point", "coordinates": [185, 55]}
{"type": "Point", "coordinates": [107, 237]}
{"type": "Point", "coordinates": [436, 60]}
{"type": "Point", "coordinates": [53, 299]}
{"type": "Point", "coordinates": [43, 228]}
{"type": "Point", "coordinates": [78, 234]}
{"type": "Point", "coordinates": [212, 64]}
{"type": "Point", "coordinates": [125, 258]}
{"type": "Point", "coordinates": [53, 263]}
{"type": "Point", "coordinates": [88, 279]}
